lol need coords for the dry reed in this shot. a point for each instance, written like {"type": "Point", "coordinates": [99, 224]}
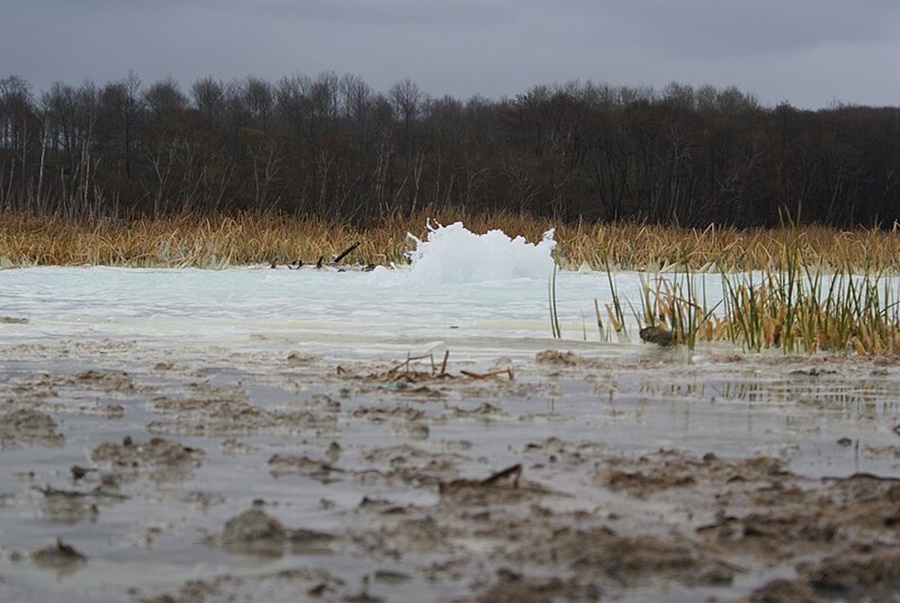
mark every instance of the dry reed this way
{"type": "Point", "coordinates": [840, 303]}
{"type": "Point", "coordinates": [246, 239]}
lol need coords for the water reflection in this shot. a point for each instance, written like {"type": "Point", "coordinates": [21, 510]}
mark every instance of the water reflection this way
{"type": "Point", "coordinates": [856, 397]}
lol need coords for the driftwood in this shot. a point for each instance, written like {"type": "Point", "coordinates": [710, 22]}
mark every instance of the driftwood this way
{"type": "Point", "coordinates": [320, 263]}
{"type": "Point", "coordinates": [345, 253]}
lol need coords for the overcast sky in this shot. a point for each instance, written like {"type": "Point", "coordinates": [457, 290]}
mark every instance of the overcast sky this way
{"type": "Point", "coordinates": [810, 53]}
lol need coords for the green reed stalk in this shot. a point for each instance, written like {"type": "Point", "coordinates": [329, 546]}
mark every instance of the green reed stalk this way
{"type": "Point", "coordinates": [554, 313]}
{"type": "Point", "coordinates": [620, 325]}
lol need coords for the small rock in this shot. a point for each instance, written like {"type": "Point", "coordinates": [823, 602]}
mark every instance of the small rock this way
{"type": "Point", "coordinates": [657, 335]}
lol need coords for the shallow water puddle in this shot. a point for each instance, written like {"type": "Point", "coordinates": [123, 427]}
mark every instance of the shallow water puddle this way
{"type": "Point", "coordinates": [376, 481]}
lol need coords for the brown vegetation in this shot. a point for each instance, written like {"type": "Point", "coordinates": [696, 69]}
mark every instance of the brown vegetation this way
{"type": "Point", "coordinates": [246, 238]}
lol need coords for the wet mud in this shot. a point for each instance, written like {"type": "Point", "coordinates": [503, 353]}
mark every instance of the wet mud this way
{"type": "Point", "coordinates": [279, 475]}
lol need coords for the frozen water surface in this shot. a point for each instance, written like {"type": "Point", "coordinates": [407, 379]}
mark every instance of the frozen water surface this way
{"type": "Point", "coordinates": [284, 340]}
{"type": "Point", "coordinates": [494, 288]}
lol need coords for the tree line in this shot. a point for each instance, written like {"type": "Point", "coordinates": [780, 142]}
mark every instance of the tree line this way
{"type": "Point", "coordinates": [333, 147]}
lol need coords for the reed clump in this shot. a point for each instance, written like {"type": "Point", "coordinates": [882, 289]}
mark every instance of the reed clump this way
{"type": "Point", "coordinates": [798, 302]}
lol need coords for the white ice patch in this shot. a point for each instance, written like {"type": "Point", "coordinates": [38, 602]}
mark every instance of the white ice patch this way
{"type": "Point", "coordinates": [455, 255]}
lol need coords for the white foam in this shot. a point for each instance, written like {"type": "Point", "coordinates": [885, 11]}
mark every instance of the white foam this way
{"type": "Point", "coordinates": [455, 255]}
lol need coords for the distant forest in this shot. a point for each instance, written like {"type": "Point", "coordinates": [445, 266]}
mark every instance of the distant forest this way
{"type": "Point", "coordinates": [333, 147]}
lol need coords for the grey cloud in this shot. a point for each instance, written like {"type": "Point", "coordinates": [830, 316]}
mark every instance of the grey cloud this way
{"type": "Point", "coordinates": [804, 51]}
{"type": "Point", "coordinates": [764, 27]}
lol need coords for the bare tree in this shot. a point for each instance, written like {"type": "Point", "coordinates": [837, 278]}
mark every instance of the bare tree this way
{"type": "Point", "coordinates": [164, 99]}
{"type": "Point", "coordinates": [259, 96]}
{"type": "Point", "coordinates": [120, 114]}
{"type": "Point", "coordinates": [209, 97]}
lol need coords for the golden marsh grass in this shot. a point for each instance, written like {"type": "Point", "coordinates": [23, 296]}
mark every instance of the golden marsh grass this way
{"type": "Point", "coordinates": [246, 239]}
{"type": "Point", "coordinates": [838, 304]}
{"type": "Point", "coordinates": [817, 288]}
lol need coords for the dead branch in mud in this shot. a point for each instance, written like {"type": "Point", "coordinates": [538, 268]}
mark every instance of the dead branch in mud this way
{"type": "Point", "coordinates": [515, 471]}
{"type": "Point", "coordinates": [863, 475]}
{"type": "Point", "coordinates": [474, 375]}
{"type": "Point", "coordinates": [410, 371]}
{"type": "Point", "coordinates": [99, 492]}
{"type": "Point", "coordinates": [502, 483]}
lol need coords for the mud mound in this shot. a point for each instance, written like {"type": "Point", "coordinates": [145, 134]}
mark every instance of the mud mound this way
{"type": "Point", "coordinates": [254, 531]}
{"type": "Point", "coordinates": [28, 427]}
{"type": "Point", "coordinates": [62, 557]}
{"type": "Point", "coordinates": [212, 411]}
{"type": "Point", "coordinates": [156, 451]}
{"type": "Point", "coordinates": [857, 574]}
{"type": "Point", "coordinates": [512, 587]}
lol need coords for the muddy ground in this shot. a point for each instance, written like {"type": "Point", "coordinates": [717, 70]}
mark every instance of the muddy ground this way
{"type": "Point", "coordinates": [131, 473]}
